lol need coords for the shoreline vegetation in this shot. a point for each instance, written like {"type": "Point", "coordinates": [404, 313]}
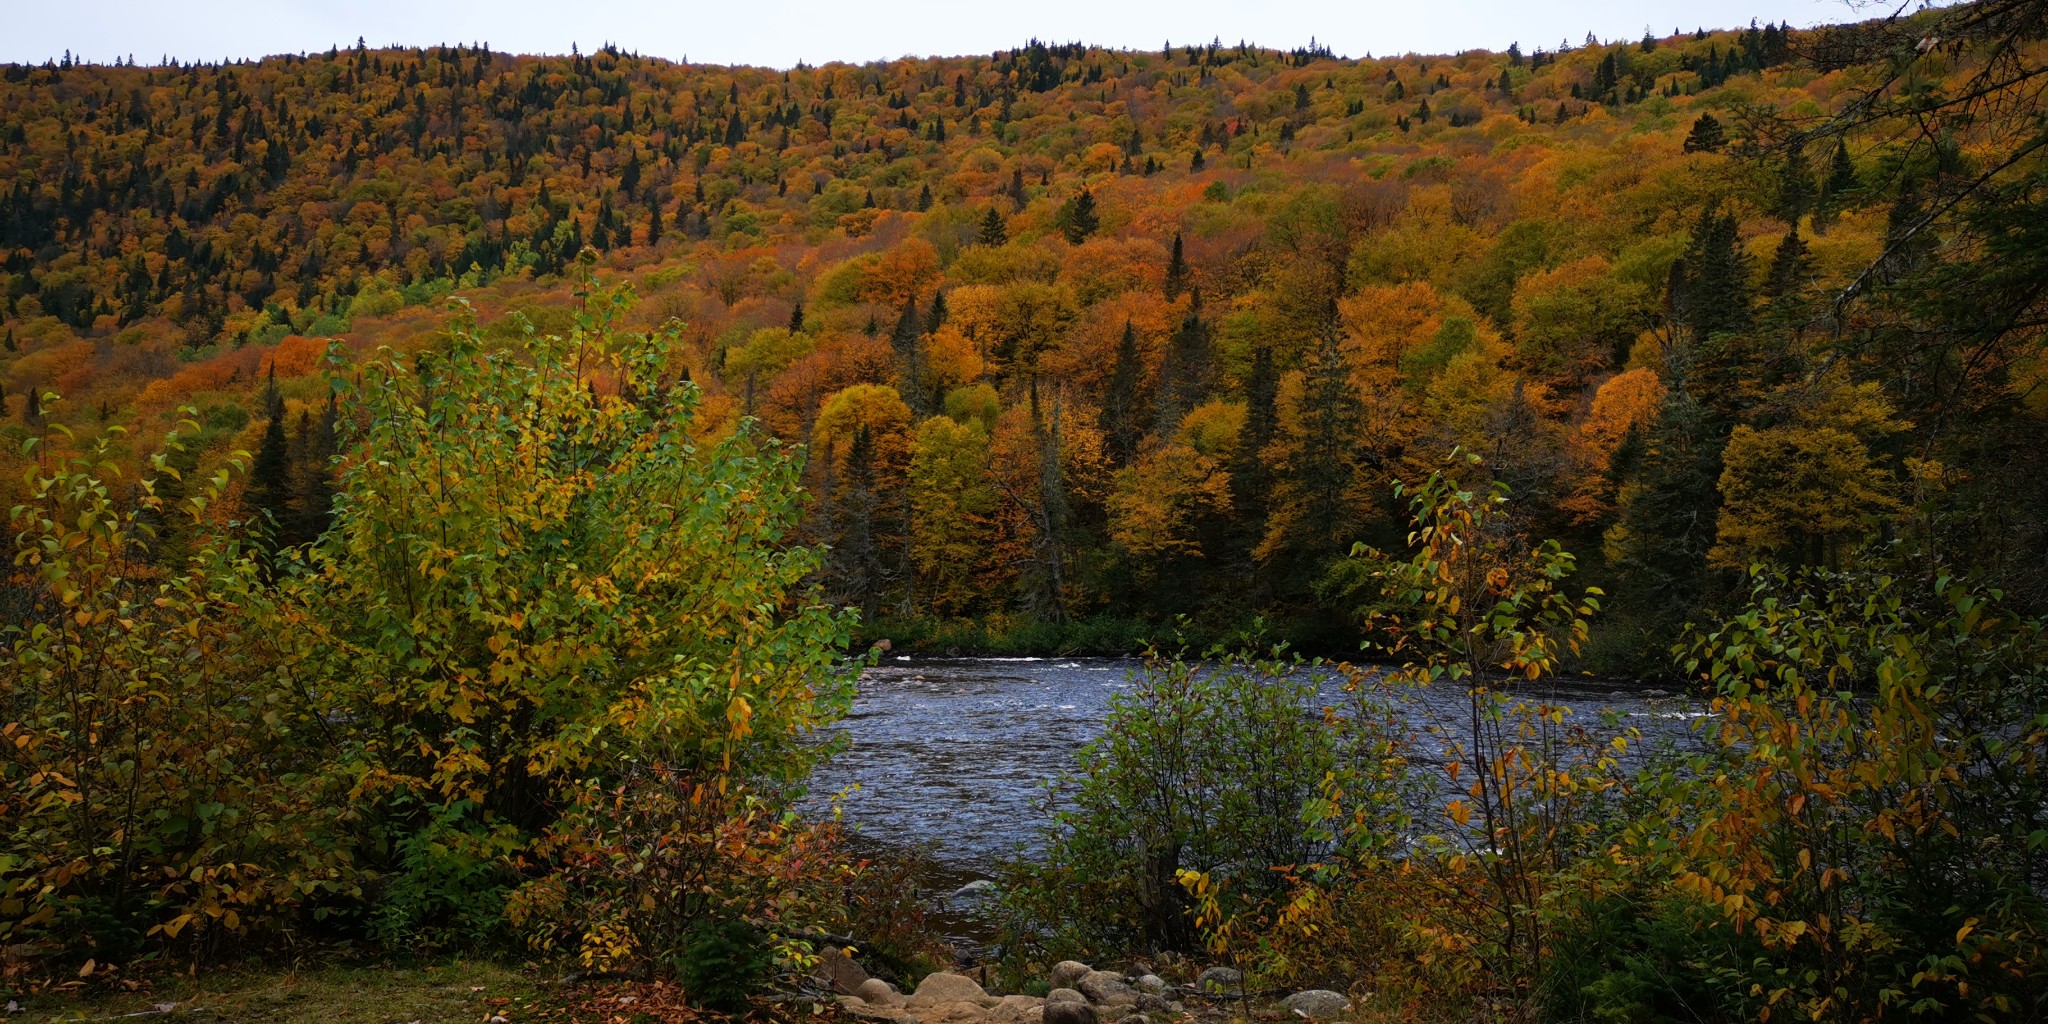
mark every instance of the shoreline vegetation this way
{"type": "Point", "coordinates": [452, 496]}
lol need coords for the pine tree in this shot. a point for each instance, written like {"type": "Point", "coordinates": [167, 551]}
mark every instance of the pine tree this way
{"type": "Point", "coordinates": [319, 446]}
{"type": "Point", "coordinates": [1251, 482]}
{"type": "Point", "coordinates": [924, 197]}
{"type": "Point", "coordinates": [1790, 267]}
{"type": "Point", "coordinates": [1176, 271]}
{"type": "Point", "coordinates": [1706, 135]}
{"type": "Point", "coordinates": [1715, 277]}
{"type": "Point", "coordinates": [1665, 523]}
{"type": "Point", "coordinates": [993, 232]}
{"type": "Point", "coordinates": [1077, 219]}
{"type": "Point", "coordinates": [1184, 375]}
{"type": "Point", "coordinates": [1323, 474]}
{"type": "Point", "coordinates": [796, 318]}
{"type": "Point", "coordinates": [1121, 403]}
{"type": "Point", "coordinates": [269, 491]}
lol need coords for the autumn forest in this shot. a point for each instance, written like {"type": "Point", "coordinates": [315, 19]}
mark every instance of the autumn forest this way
{"type": "Point", "coordinates": [1051, 349]}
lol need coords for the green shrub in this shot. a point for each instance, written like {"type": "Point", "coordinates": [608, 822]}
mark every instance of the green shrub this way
{"type": "Point", "coordinates": [1215, 765]}
{"type": "Point", "coordinates": [723, 962]}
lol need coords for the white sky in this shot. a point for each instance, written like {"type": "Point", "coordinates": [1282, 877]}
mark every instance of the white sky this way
{"type": "Point", "coordinates": [781, 32]}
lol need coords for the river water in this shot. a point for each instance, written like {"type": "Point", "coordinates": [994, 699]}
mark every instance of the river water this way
{"type": "Point", "coordinates": [958, 753]}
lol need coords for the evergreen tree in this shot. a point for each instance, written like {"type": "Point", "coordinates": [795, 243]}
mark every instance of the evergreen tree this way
{"type": "Point", "coordinates": [1706, 135]}
{"type": "Point", "coordinates": [1795, 190]}
{"type": "Point", "coordinates": [1176, 270]}
{"type": "Point", "coordinates": [269, 493]}
{"type": "Point", "coordinates": [907, 339]}
{"type": "Point", "coordinates": [1077, 219]}
{"type": "Point", "coordinates": [1251, 482]}
{"type": "Point", "coordinates": [1666, 518]}
{"type": "Point", "coordinates": [1790, 267]}
{"type": "Point", "coordinates": [1322, 475]}
{"type": "Point", "coordinates": [1841, 179]}
{"type": "Point", "coordinates": [1715, 277]}
{"type": "Point", "coordinates": [1184, 375]}
{"type": "Point", "coordinates": [1121, 403]}
{"type": "Point", "coordinates": [319, 445]}
{"type": "Point", "coordinates": [992, 230]}
{"type": "Point", "coordinates": [796, 317]}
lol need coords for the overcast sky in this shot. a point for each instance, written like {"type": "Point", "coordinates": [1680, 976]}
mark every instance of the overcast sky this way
{"type": "Point", "coordinates": [781, 32]}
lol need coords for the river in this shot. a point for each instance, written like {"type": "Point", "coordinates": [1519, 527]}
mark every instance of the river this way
{"type": "Point", "coordinates": [957, 753]}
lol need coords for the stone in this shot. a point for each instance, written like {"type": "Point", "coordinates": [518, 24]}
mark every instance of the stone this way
{"type": "Point", "coordinates": [1067, 972]}
{"type": "Point", "coordinates": [1012, 1009]}
{"type": "Point", "coordinates": [1151, 983]}
{"type": "Point", "coordinates": [1153, 1002]}
{"type": "Point", "coordinates": [1067, 1011]}
{"type": "Point", "coordinates": [1316, 1004]}
{"type": "Point", "coordinates": [1220, 981]}
{"type": "Point", "coordinates": [1065, 995]}
{"type": "Point", "coordinates": [838, 973]}
{"type": "Point", "coordinates": [1107, 989]}
{"type": "Point", "coordinates": [962, 1011]}
{"type": "Point", "coordinates": [947, 987]}
{"type": "Point", "coordinates": [864, 1010]}
{"type": "Point", "coordinates": [877, 992]}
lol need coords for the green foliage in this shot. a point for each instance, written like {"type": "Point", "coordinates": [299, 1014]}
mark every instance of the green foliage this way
{"type": "Point", "coordinates": [1215, 766]}
{"type": "Point", "coordinates": [721, 964]}
{"type": "Point", "coordinates": [553, 603]}
{"type": "Point", "coordinates": [158, 782]}
{"type": "Point", "coordinates": [1871, 813]}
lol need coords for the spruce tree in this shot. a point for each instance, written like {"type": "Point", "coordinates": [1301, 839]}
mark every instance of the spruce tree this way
{"type": "Point", "coordinates": [1121, 403]}
{"type": "Point", "coordinates": [1184, 375]}
{"type": "Point", "coordinates": [269, 491]}
{"type": "Point", "coordinates": [1715, 298]}
{"type": "Point", "coordinates": [1325, 470]}
{"type": "Point", "coordinates": [1790, 266]}
{"type": "Point", "coordinates": [1706, 135]}
{"type": "Point", "coordinates": [1077, 219]}
{"type": "Point", "coordinates": [992, 230]}
{"type": "Point", "coordinates": [1251, 483]}
{"type": "Point", "coordinates": [1176, 271]}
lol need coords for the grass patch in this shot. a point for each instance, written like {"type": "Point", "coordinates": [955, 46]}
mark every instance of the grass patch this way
{"type": "Point", "coordinates": [455, 992]}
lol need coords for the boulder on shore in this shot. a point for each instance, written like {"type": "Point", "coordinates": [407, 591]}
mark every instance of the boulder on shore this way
{"type": "Point", "coordinates": [947, 987]}
{"type": "Point", "coordinates": [838, 972]}
{"type": "Point", "coordinates": [1317, 1004]}
{"type": "Point", "coordinates": [877, 992]}
{"type": "Point", "coordinates": [1067, 972]}
{"type": "Point", "coordinates": [1220, 981]}
{"type": "Point", "coordinates": [1105, 988]}
{"type": "Point", "coordinates": [1067, 1011]}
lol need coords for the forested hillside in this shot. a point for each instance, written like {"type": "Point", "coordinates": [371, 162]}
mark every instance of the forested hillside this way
{"type": "Point", "coordinates": [1076, 333]}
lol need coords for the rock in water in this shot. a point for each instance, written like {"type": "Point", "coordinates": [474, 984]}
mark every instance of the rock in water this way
{"type": "Point", "coordinates": [947, 987]}
{"type": "Point", "coordinates": [1107, 989]}
{"type": "Point", "coordinates": [1067, 972]}
{"type": "Point", "coordinates": [1316, 1004]}
{"type": "Point", "coordinates": [1220, 981]}
{"type": "Point", "coordinates": [1067, 1011]}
